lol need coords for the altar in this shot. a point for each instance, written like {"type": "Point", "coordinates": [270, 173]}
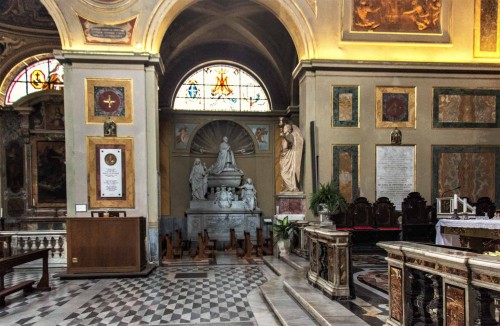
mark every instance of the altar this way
{"type": "Point", "coordinates": [479, 235]}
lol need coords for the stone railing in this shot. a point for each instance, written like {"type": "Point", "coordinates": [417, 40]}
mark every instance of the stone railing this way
{"type": "Point", "coordinates": [431, 285]}
{"type": "Point", "coordinates": [24, 241]}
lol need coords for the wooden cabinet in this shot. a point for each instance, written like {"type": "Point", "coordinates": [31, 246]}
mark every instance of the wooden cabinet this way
{"type": "Point", "coordinates": [106, 245]}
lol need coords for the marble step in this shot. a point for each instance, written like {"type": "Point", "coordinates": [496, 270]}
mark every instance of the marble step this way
{"type": "Point", "coordinates": [294, 286]}
{"type": "Point", "coordinates": [286, 310]}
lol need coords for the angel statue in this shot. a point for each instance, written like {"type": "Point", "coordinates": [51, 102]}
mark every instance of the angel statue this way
{"type": "Point", "coordinates": [292, 144]}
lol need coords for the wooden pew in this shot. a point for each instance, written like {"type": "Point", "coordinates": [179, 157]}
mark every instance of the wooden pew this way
{"type": "Point", "coordinates": [265, 246]}
{"type": "Point", "coordinates": [250, 249]}
{"type": "Point", "coordinates": [7, 263]}
{"type": "Point", "coordinates": [233, 241]}
{"type": "Point", "coordinates": [172, 251]}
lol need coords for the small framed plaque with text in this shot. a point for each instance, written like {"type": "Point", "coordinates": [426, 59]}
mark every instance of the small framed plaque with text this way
{"type": "Point", "coordinates": [110, 163]}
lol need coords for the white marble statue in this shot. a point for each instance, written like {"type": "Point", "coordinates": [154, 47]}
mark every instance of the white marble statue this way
{"type": "Point", "coordinates": [199, 180]}
{"type": "Point", "coordinates": [249, 195]}
{"type": "Point", "coordinates": [225, 158]}
{"type": "Point", "coordinates": [223, 197]}
{"type": "Point", "coordinates": [292, 144]}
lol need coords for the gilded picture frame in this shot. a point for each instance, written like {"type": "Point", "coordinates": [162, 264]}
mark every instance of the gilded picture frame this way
{"type": "Point", "coordinates": [345, 106]}
{"type": "Point", "coordinates": [396, 21]}
{"type": "Point", "coordinates": [125, 175]}
{"type": "Point", "coordinates": [49, 173]}
{"type": "Point", "coordinates": [108, 98]}
{"type": "Point", "coordinates": [466, 108]}
{"type": "Point", "coordinates": [395, 107]}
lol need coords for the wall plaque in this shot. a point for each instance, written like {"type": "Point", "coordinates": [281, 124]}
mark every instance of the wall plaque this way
{"type": "Point", "coordinates": [110, 166]}
{"type": "Point", "coordinates": [110, 173]}
{"type": "Point", "coordinates": [395, 172]}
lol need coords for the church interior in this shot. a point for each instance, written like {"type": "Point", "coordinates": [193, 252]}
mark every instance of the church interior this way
{"type": "Point", "coordinates": [249, 162]}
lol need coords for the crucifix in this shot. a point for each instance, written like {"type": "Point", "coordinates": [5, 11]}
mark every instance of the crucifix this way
{"type": "Point", "coordinates": [109, 101]}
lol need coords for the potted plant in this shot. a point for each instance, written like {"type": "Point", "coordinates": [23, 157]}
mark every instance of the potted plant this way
{"type": "Point", "coordinates": [282, 231]}
{"type": "Point", "coordinates": [327, 200]}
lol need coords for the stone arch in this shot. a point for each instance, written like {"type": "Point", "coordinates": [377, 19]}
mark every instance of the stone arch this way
{"type": "Point", "coordinates": [294, 21]}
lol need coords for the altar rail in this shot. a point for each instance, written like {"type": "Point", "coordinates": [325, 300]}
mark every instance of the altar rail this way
{"type": "Point", "coordinates": [31, 240]}
{"type": "Point", "coordinates": [432, 285]}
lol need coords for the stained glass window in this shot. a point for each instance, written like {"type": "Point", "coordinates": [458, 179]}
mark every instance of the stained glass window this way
{"type": "Point", "coordinates": [39, 76]}
{"type": "Point", "coordinates": [221, 87]}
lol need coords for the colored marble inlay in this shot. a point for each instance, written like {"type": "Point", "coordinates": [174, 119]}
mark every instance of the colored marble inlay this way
{"type": "Point", "coordinates": [345, 170]}
{"type": "Point", "coordinates": [396, 297]}
{"type": "Point", "coordinates": [345, 106]}
{"type": "Point", "coordinates": [455, 305]}
{"type": "Point", "coordinates": [466, 108]}
{"type": "Point", "coordinates": [292, 205]}
{"type": "Point", "coordinates": [475, 169]}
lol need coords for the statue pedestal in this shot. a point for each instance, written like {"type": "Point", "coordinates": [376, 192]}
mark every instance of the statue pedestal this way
{"type": "Point", "coordinates": [291, 203]}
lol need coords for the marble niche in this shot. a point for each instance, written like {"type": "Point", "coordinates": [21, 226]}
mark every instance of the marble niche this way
{"type": "Point", "coordinates": [221, 199]}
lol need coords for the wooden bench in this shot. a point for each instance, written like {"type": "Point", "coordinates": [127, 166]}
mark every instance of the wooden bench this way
{"type": "Point", "coordinates": [7, 263]}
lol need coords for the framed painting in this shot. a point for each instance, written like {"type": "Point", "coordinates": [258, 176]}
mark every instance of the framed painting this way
{"type": "Point", "coordinates": [49, 173]}
{"type": "Point", "coordinates": [345, 106]}
{"type": "Point", "coordinates": [110, 166]}
{"type": "Point", "coordinates": [345, 174]}
{"type": "Point", "coordinates": [108, 98]}
{"type": "Point", "coordinates": [261, 134]}
{"type": "Point", "coordinates": [473, 170]}
{"type": "Point", "coordinates": [395, 175]}
{"type": "Point", "coordinates": [425, 21]}
{"type": "Point", "coordinates": [183, 133]}
{"type": "Point", "coordinates": [466, 108]}
{"type": "Point", "coordinates": [395, 107]}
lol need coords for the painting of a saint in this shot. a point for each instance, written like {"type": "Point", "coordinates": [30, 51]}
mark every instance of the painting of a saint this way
{"type": "Point", "coordinates": [182, 134]}
{"type": "Point", "coordinates": [261, 133]}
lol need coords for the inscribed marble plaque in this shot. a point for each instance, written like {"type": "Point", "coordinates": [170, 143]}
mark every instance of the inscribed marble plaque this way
{"type": "Point", "coordinates": [111, 172]}
{"type": "Point", "coordinates": [395, 172]}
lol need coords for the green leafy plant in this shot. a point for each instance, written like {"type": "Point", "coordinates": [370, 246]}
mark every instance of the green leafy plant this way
{"type": "Point", "coordinates": [329, 197]}
{"type": "Point", "coordinates": [283, 229]}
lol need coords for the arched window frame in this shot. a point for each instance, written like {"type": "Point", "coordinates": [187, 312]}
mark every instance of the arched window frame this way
{"type": "Point", "coordinates": [38, 76]}
{"type": "Point", "coordinates": [215, 95]}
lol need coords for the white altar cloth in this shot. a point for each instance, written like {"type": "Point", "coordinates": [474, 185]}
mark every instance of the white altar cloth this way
{"type": "Point", "coordinates": [454, 240]}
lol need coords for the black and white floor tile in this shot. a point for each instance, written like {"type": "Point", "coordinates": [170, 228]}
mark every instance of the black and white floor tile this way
{"type": "Point", "coordinates": [177, 295]}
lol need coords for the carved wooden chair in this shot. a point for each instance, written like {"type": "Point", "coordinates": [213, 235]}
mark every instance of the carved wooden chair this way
{"type": "Point", "coordinates": [485, 205]}
{"type": "Point", "coordinates": [386, 218]}
{"type": "Point", "coordinates": [202, 252]}
{"type": "Point", "coordinates": [361, 212]}
{"type": "Point", "coordinates": [180, 242]}
{"type": "Point", "coordinates": [418, 219]}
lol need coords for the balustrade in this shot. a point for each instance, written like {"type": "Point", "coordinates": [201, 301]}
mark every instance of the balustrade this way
{"type": "Point", "coordinates": [24, 241]}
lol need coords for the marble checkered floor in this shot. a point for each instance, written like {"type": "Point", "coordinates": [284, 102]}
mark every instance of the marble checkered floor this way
{"type": "Point", "coordinates": [225, 293]}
